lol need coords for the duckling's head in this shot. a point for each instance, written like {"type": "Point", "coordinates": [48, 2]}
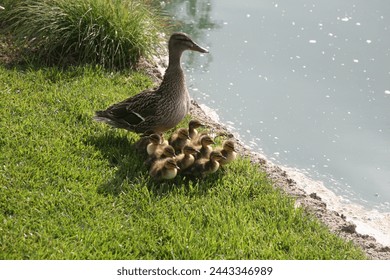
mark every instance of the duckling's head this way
{"type": "Point", "coordinates": [189, 150]}
{"type": "Point", "coordinates": [181, 42]}
{"type": "Point", "coordinates": [155, 139]}
{"type": "Point", "coordinates": [228, 146]}
{"type": "Point", "coordinates": [216, 156]}
{"type": "Point", "coordinates": [194, 124]}
{"type": "Point", "coordinates": [170, 164]}
{"type": "Point", "coordinates": [169, 151]}
{"type": "Point", "coordinates": [206, 140]}
{"type": "Point", "coordinates": [183, 133]}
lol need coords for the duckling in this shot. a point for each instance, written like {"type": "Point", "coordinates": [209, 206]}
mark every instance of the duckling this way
{"type": "Point", "coordinates": [164, 152]}
{"type": "Point", "coordinates": [141, 144]}
{"type": "Point", "coordinates": [156, 110]}
{"type": "Point", "coordinates": [164, 169]}
{"type": "Point", "coordinates": [186, 159]}
{"type": "Point", "coordinates": [154, 143]}
{"type": "Point", "coordinates": [164, 141]}
{"type": "Point", "coordinates": [204, 148]}
{"type": "Point", "coordinates": [192, 126]}
{"type": "Point", "coordinates": [160, 153]}
{"type": "Point", "coordinates": [205, 166]}
{"type": "Point", "coordinates": [196, 140]}
{"type": "Point", "coordinates": [228, 151]}
{"type": "Point", "coordinates": [179, 139]}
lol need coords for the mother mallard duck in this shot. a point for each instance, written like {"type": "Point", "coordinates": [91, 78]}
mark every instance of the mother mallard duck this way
{"type": "Point", "coordinates": [156, 110]}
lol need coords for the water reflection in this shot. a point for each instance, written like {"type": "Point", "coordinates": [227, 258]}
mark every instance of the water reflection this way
{"type": "Point", "coordinates": [193, 17]}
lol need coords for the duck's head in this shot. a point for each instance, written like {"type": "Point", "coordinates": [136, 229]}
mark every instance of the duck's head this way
{"type": "Point", "coordinates": [169, 151]}
{"type": "Point", "coordinates": [155, 139]}
{"type": "Point", "coordinates": [216, 156]}
{"type": "Point", "coordinates": [181, 42]}
{"type": "Point", "coordinates": [189, 150]}
{"type": "Point", "coordinates": [194, 124]}
{"type": "Point", "coordinates": [228, 146]}
{"type": "Point", "coordinates": [183, 133]}
{"type": "Point", "coordinates": [206, 140]}
{"type": "Point", "coordinates": [170, 164]}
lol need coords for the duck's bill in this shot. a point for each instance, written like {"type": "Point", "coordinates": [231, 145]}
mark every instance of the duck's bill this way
{"type": "Point", "coordinates": [198, 48]}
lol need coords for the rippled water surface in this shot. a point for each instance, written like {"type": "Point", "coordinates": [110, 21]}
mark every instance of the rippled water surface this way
{"type": "Point", "coordinates": [305, 82]}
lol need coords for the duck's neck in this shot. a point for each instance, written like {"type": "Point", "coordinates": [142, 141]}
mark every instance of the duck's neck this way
{"type": "Point", "coordinates": [174, 75]}
{"type": "Point", "coordinates": [174, 58]}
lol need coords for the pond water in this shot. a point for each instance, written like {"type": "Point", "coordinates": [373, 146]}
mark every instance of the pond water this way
{"type": "Point", "coordinates": [304, 82]}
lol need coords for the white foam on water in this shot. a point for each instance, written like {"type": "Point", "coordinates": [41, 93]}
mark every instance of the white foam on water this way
{"type": "Point", "coordinates": [370, 222]}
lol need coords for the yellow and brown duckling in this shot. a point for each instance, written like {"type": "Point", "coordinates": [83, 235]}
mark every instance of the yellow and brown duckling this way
{"type": "Point", "coordinates": [160, 153]}
{"type": "Point", "coordinates": [164, 152]}
{"type": "Point", "coordinates": [192, 126]}
{"type": "Point", "coordinates": [228, 151]}
{"type": "Point", "coordinates": [186, 159]}
{"type": "Point", "coordinates": [179, 139]}
{"type": "Point", "coordinates": [164, 169]}
{"type": "Point", "coordinates": [204, 147]}
{"type": "Point", "coordinates": [164, 141]}
{"type": "Point", "coordinates": [156, 110]}
{"type": "Point", "coordinates": [154, 143]}
{"type": "Point", "coordinates": [206, 166]}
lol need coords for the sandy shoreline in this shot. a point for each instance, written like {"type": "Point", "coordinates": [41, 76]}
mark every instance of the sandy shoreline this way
{"type": "Point", "coordinates": [312, 202]}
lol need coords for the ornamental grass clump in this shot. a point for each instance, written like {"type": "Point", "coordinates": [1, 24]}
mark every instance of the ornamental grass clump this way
{"type": "Point", "coordinates": [111, 33]}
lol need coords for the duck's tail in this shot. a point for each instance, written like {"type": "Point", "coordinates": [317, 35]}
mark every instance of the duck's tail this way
{"type": "Point", "coordinates": [103, 116]}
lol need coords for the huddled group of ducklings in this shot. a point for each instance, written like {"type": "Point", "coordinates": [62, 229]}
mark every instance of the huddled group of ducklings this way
{"type": "Point", "coordinates": [186, 152]}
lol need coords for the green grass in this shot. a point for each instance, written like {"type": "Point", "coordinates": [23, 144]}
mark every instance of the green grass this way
{"type": "Point", "coordinates": [112, 33]}
{"type": "Point", "coordinates": [71, 188]}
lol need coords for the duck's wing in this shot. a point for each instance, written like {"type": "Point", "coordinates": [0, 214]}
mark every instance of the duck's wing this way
{"type": "Point", "coordinates": [132, 111]}
{"type": "Point", "coordinates": [136, 109]}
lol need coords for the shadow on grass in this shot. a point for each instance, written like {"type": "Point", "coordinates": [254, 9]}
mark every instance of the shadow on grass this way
{"type": "Point", "coordinates": [191, 186]}
{"type": "Point", "coordinates": [122, 155]}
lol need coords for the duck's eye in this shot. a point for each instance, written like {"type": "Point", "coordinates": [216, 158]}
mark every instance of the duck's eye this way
{"type": "Point", "coordinates": [182, 38]}
{"type": "Point", "coordinates": [185, 40]}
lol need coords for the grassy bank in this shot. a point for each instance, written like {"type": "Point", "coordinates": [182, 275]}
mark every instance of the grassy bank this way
{"type": "Point", "coordinates": [71, 188]}
{"type": "Point", "coordinates": [111, 33]}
